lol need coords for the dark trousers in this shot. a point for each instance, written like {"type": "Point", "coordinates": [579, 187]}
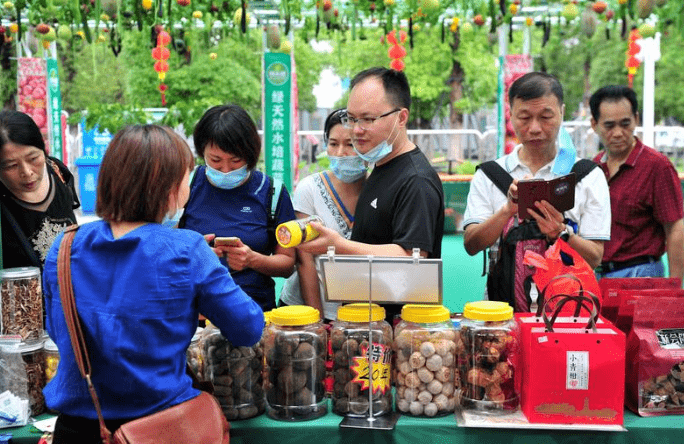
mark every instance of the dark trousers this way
{"type": "Point", "coordinates": [75, 429]}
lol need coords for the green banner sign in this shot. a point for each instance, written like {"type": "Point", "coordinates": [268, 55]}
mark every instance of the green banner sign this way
{"type": "Point", "coordinates": [55, 110]}
{"type": "Point", "coordinates": [278, 134]}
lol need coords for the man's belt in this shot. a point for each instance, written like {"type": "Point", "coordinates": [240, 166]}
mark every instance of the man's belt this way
{"type": "Point", "coordinates": [607, 267]}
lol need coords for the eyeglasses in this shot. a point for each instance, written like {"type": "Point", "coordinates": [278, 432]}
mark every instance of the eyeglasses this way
{"type": "Point", "coordinates": [364, 122]}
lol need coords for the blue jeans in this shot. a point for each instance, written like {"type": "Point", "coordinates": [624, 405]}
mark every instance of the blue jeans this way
{"type": "Point", "coordinates": [653, 269]}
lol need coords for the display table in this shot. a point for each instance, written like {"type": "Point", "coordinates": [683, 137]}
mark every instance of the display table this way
{"type": "Point", "coordinates": [326, 430]}
{"type": "Point", "coordinates": [262, 429]}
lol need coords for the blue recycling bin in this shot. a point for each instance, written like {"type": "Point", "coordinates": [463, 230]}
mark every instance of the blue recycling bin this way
{"type": "Point", "coordinates": [88, 170]}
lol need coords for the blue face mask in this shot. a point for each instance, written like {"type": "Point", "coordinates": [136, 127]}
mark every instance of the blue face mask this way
{"type": "Point", "coordinates": [347, 168]}
{"type": "Point", "coordinates": [380, 151]}
{"type": "Point", "coordinates": [172, 220]}
{"type": "Point", "coordinates": [229, 180]}
{"type": "Point", "coordinates": [376, 154]}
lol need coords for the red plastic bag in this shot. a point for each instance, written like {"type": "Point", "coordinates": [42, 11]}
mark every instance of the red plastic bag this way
{"type": "Point", "coordinates": [571, 374]}
{"type": "Point", "coordinates": [560, 261]}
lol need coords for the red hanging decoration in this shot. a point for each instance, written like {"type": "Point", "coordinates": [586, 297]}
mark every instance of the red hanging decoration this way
{"type": "Point", "coordinates": [161, 54]}
{"type": "Point", "coordinates": [632, 63]}
{"type": "Point", "coordinates": [396, 52]}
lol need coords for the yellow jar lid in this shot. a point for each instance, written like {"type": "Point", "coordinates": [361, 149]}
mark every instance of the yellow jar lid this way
{"type": "Point", "coordinates": [359, 313]}
{"type": "Point", "coordinates": [424, 314]}
{"type": "Point", "coordinates": [488, 311]}
{"type": "Point", "coordinates": [295, 315]}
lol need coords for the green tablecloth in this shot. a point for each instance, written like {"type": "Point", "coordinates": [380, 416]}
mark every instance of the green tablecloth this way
{"type": "Point", "coordinates": [260, 430]}
{"type": "Point", "coordinates": [326, 430]}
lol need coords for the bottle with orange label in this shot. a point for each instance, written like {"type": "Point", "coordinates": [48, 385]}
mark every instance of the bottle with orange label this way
{"type": "Point", "coordinates": [292, 233]}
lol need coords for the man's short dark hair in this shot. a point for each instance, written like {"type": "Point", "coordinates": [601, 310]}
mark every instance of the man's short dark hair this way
{"type": "Point", "coordinates": [534, 85]}
{"type": "Point", "coordinates": [612, 93]}
{"type": "Point", "coordinates": [230, 128]}
{"type": "Point", "coordinates": [395, 83]}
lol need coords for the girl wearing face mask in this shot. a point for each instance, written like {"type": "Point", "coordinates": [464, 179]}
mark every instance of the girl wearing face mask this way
{"type": "Point", "coordinates": [37, 194]}
{"type": "Point", "coordinates": [332, 195]}
{"type": "Point", "coordinates": [230, 198]}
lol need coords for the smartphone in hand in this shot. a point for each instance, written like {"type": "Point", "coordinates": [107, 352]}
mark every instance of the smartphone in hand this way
{"type": "Point", "coordinates": [230, 241]}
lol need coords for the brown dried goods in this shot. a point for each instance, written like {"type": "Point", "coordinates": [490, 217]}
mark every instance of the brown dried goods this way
{"type": "Point", "coordinates": [22, 308]}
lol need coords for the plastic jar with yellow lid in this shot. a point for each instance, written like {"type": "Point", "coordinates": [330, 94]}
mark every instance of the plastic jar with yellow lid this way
{"type": "Point", "coordinates": [489, 359]}
{"type": "Point", "coordinates": [349, 339]}
{"type": "Point", "coordinates": [425, 344]}
{"type": "Point", "coordinates": [295, 349]}
{"type": "Point", "coordinates": [294, 232]}
{"type": "Point", "coordinates": [236, 373]}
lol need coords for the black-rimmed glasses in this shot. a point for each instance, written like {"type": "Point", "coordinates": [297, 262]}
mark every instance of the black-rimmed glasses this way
{"type": "Point", "coordinates": [364, 122]}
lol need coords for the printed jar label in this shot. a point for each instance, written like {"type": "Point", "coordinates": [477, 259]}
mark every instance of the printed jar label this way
{"type": "Point", "coordinates": [577, 370]}
{"type": "Point", "coordinates": [671, 338]}
{"type": "Point", "coordinates": [381, 357]}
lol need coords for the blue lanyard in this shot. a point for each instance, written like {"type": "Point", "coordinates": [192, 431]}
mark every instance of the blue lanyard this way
{"type": "Point", "coordinates": [332, 188]}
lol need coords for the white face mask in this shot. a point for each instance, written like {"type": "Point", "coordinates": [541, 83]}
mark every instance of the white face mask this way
{"type": "Point", "coordinates": [380, 151]}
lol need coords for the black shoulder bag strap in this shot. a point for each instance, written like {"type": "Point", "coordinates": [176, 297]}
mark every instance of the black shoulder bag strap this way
{"type": "Point", "coordinates": [502, 180]}
{"type": "Point", "coordinates": [582, 168]}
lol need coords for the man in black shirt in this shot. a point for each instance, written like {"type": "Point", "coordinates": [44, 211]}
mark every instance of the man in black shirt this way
{"type": "Point", "coordinates": [401, 206]}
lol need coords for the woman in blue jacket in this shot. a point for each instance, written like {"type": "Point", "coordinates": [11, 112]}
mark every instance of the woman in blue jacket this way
{"type": "Point", "coordinates": [139, 288]}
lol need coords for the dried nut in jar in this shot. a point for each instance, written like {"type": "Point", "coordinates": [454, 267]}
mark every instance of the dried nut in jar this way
{"type": "Point", "coordinates": [424, 397]}
{"type": "Point", "coordinates": [412, 380]}
{"type": "Point", "coordinates": [404, 368]}
{"type": "Point", "coordinates": [410, 394]}
{"type": "Point", "coordinates": [448, 388]}
{"type": "Point", "coordinates": [416, 408]}
{"type": "Point", "coordinates": [444, 374]}
{"type": "Point", "coordinates": [427, 349]}
{"type": "Point", "coordinates": [435, 387]}
{"type": "Point", "coordinates": [425, 375]}
{"type": "Point", "coordinates": [430, 409]}
{"type": "Point", "coordinates": [448, 360]}
{"type": "Point", "coordinates": [358, 405]}
{"type": "Point", "coordinates": [441, 401]}
{"type": "Point", "coordinates": [403, 405]}
{"type": "Point", "coordinates": [417, 360]}
{"type": "Point", "coordinates": [434, 362]}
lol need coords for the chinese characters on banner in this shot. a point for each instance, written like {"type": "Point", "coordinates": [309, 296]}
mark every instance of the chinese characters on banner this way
{"type": "Point", "coordinates": [278, 134]}
{"type": "Point", "coordinates": [517, 65]}
{"type": "Point", "coordinates": [55, 108]}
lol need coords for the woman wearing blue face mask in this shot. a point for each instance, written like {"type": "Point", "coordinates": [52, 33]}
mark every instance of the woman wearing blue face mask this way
{"type": "Point", "coordinates": [332, 195]}
{"type": "Point", "coordinates": [230, 198]}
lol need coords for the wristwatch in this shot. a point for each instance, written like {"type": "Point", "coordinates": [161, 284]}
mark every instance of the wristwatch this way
{"type": "Point", "coordinates": [567, 233]}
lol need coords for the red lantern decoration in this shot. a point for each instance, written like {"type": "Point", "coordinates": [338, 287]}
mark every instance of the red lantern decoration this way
{"type": "Point", "coordinates": [396, 52]}
{"type": "Point", "coordinates": [632, 63]}
{"type": "Point", "coordinates": [397, 65]}
{"type": "Point", "coordinates": [161, 54]}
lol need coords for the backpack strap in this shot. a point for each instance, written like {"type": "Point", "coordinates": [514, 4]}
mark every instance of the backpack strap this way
{"type": "Point", "coordinates": [274, 192]}
{"type": "Point", "coordinates": [497, 174]}
{"type": "Point", "coordinates": [582, 168]}
{"type": "Point", "coordinates": [502, 180]}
